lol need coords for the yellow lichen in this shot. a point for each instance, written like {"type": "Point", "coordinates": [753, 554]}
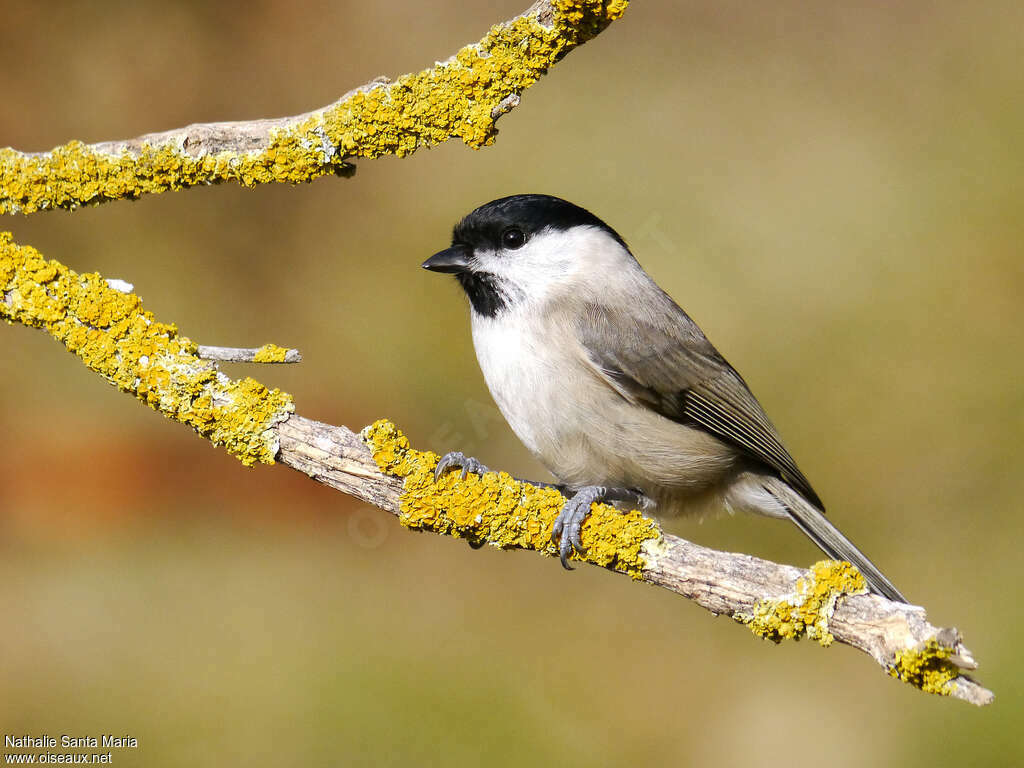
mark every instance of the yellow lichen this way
{"type": "Point", "coordinates": [497, 509]}
{"type": "Point", "coordinates": [808, 611]}
{"type": "Point", "coordinates": [454, 99]}
{"type": "Point", "coordinates": [126, 345]}
{"type": "Point", "coordinates": [270, 353]}
{"type": "Point", "coordinates": [928, 668]}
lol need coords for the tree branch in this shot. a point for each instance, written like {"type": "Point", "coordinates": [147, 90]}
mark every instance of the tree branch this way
{"type": "Point", "coordinates": [461, 97]}
{"type": "Point", "coordinates": [827, 603]}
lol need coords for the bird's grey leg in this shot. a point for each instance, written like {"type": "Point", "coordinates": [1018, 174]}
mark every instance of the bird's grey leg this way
{"type": "Point", "coordinates": [459, 460]}
{"type": "Point", "coordinates": [565, 490]}
{"type": "Point", "coordinates": [566, 531]}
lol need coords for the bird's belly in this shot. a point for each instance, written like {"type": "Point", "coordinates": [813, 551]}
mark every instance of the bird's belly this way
{"type": "Point", "coordinates": [585, 433]}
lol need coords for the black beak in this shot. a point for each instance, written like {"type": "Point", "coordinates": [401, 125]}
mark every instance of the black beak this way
{"type": "Point", "coordinates": [452, 260]}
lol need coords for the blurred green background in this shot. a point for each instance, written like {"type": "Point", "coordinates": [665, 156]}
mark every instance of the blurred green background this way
{"type": "Point", "coordinates": [832, 190]}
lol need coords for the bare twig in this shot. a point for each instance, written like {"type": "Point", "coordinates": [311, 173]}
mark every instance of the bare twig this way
{"type": "Point", "coordinates": [268, 353]}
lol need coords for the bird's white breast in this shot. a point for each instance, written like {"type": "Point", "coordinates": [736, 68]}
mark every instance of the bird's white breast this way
{"type": "Point", "coordinates": [561, 412]}
{"type": "Point", "coordinates": [578, 426]}
{"type": "Point", "coordinates": [522, 374]}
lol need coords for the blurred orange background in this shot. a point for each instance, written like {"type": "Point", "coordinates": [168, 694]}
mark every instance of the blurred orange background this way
{"type": "Point", "coordinates": [832, 190]}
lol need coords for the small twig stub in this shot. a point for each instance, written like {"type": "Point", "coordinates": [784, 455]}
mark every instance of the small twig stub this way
{"type": "Point", "coordinates": [268, 353]}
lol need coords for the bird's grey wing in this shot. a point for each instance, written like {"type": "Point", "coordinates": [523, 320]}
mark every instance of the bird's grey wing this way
{"type": "Point", "coordinates": [670, 367]}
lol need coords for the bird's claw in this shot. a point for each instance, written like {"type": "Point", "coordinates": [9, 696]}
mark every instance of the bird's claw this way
{"type": "Point", "coordinates": [458, 460]}
{"type": "Point", "coordinates": [566, 531]}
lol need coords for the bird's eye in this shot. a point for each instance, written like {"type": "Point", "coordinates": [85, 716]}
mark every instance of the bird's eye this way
{"type": "Point", "coordinates": [513, 238]}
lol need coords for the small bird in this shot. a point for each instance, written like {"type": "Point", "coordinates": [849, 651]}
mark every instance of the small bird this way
{"type": "Point", "coordinates": [611, 385]}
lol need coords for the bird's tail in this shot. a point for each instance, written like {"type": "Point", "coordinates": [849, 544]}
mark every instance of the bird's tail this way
{"type": "Point", "coordinates": [812, 521]}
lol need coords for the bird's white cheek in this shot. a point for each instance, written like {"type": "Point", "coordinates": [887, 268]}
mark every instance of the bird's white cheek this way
{"type": "Point", "coordinates": [534, 272]}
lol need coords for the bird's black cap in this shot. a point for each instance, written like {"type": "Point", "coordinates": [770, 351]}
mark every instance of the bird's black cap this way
{"type": "Point", "coordinates": [530, 213]}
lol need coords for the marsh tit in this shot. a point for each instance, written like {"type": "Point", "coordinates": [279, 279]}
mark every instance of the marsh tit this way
{"type": "Point", "coordinates": [611, 385]}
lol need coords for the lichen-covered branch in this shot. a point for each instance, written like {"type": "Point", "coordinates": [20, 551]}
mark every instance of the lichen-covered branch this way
{"type": "Point", "coordinates": [827, 603]}
{"type": "Point", "coordinates": [113, 335]}
{"type": "Point", "coordinates": [458, 98]}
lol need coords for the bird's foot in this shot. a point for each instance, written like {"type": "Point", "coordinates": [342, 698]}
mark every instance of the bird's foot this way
{"type": "Point", "coordinates": [566, 532]}
{"type": "Point", "coordinates": [458, 460]}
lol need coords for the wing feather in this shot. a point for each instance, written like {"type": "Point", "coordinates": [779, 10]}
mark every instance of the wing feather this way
{"type": "Point", "coordinates": [671, 367]}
